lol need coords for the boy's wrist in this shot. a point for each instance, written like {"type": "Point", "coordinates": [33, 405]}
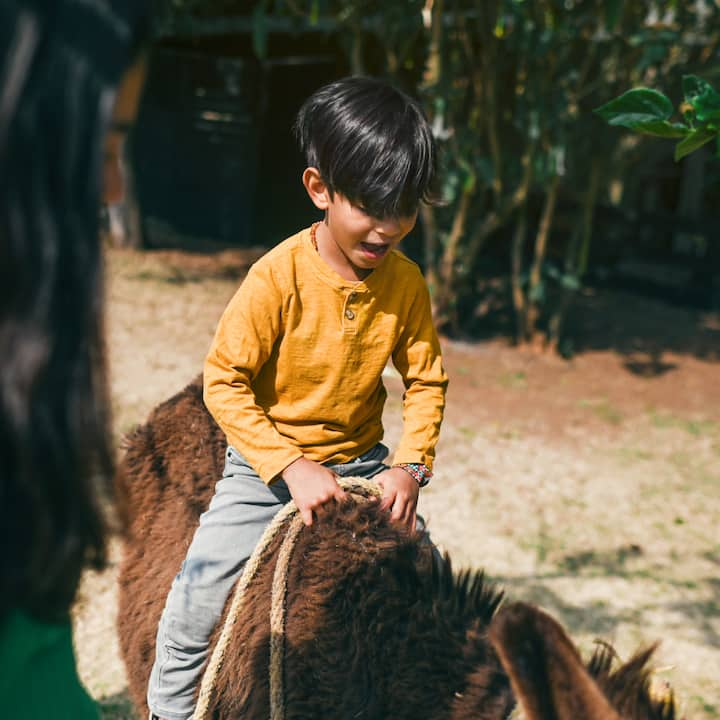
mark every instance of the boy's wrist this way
{"type": "Point", "coordinates": [420, 472]}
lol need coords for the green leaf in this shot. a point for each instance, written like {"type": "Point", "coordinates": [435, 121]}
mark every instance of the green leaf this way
{"type": "Point", "coordinates": [702, 96]}
{"type": "Point", "coordinates": [695, 87]}
{"type": "Point", "coordinates": [613, 11]}
{"type": "Point", "coordinates": [570, 281]}
{"type": "Point", "coordinates": [485, 170]}
{"type": "Point", "coordinates": [697, 138]}
{"type": "Point", "coordinates": [662, 128]}
{"type": "Point", "coordinates": [470, 182]}
{"type": "Point", "coordinates": [637, 107]}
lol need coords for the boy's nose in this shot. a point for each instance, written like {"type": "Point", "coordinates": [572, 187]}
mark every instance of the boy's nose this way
{"type": "Point", "coordinates": [387, 229]}
{"type": "Point", "coordinates": [391, 228]}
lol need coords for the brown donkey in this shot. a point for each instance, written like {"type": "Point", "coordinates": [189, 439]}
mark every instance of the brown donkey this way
{"type": "Point", "coordinates": [375, 629]}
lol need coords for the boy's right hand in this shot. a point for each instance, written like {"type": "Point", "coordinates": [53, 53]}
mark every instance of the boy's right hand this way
{"type": "Point", "coordinates": [311, 486]}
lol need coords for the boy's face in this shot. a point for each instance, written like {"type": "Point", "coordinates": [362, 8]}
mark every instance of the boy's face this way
{"type": "Point", "coordinates": [352, 242]}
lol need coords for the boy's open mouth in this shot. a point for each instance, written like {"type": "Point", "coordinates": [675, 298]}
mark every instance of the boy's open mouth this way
{"type": "Point", "coordinates": [374, 250]}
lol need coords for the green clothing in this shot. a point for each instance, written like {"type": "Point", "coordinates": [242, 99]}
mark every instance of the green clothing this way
{"type": "Point", "coordinates": [38, 679]}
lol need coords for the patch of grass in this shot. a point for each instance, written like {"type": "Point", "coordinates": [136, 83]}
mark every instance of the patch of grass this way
{"type": "Point", "coordinates": [700, 427]}
{"type": "Point", "coordinates": [542, 543]}
{"type": "Point", "coordinates": [604, 410]}
{"type": "Point", "coordinates": [510, 434]}
{"type": "Point", "coordinates": [514, 380]}
{"type": "Point", "coordinates": [711, 709]}
{"type": "Point", "coordinates": [681, 459]}
{"type": "Point", "coordinates": [632, 455]}
{"type": "Point", "coordinates": [694, 427]}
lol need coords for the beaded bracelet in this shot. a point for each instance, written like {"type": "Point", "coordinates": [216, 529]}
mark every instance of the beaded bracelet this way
{"type": "Point", "coordinates": [421, 472]}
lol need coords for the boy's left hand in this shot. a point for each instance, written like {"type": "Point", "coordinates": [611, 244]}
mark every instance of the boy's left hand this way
{"type": "Point", "coordinates": [400, 495]}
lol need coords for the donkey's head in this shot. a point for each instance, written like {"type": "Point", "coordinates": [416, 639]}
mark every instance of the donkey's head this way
{"type": "Point", "coordinates": [551, 682]}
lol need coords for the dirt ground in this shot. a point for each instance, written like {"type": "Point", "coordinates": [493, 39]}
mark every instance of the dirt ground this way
{"type": "Point", "coordinates": [588, 486]}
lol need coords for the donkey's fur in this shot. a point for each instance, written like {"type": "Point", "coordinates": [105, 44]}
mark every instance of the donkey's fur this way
{"type": "Point", "coordinates": [375, 629]}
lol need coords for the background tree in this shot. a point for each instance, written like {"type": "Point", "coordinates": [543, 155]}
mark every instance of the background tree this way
{"type": "Point", "coordinates": [510, 87]}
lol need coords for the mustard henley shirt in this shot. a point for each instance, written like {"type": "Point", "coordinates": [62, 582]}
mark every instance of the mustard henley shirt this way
{"type": "Point", "coordinates": [295, 368]}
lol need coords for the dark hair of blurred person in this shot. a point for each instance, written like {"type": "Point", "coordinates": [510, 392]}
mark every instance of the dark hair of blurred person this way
{"type": "Point", "coordinates": [61, 62]}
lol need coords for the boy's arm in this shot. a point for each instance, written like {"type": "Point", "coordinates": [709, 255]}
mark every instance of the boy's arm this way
{"type": "Point", "coordinates": [417, 357]}
{"type": "Point", "coordinates": [243, 343]}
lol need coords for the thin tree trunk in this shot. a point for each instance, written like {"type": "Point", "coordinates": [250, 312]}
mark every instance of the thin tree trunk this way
{"type": "Point", "coordinates": [447, 290]}
{"type": "Point", "coordinates": [497, 218]}
{"type": "Point", "coordinates": [516, 265]}
{"type": "Point", "coordinates": [433, 67]}
{"type": "Point", "coordinates": [581, 262]}
{"type": "Point", "coordinates": [429, 228]}
{"type": "Point", "coordinates": [541, 241]}
{"type": "Point", "coordinates": [576, 257]}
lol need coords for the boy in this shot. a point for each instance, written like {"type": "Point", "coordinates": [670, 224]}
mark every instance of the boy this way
{"type": "Point", "coordinates": [294, 374]}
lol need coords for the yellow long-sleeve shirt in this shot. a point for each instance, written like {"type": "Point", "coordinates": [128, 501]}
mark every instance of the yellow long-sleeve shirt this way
{"type": "Point", "coordinates": [295, 368]}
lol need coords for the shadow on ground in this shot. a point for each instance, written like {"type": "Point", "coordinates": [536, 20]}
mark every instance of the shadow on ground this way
{"type": "Point", "coordinates": [639, 327]}
{"type": "Point", "coordinates": [700, 611]}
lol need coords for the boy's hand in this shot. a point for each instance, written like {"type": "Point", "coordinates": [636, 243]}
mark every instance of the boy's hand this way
{"type": "Point", "coordinates": [400, 495]}
{"type": "Point", "coordinates": [311, 485]}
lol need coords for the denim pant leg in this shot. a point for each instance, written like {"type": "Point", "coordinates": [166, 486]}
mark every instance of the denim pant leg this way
{"type": "Point", "coordinates": [228, 532]}
{"type": "Point", "coordinates": [367, 465]}
{"type": "Point", "coordinates": [239, 512]}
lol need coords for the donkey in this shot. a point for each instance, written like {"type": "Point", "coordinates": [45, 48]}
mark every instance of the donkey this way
{"type": "Point", "coordinates": [376, 627]}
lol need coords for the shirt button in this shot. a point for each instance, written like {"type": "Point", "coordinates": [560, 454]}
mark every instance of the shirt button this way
{"type": "Point", "coordinates": [352, 297]}
{"type": "Point", "coordinates": [349, 314]}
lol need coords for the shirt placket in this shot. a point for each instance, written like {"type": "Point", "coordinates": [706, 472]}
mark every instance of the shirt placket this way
{"type": "Point", "coordinates": [351, 312]}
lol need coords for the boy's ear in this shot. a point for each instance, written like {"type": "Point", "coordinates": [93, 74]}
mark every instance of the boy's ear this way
{"type": "Point", "coordinates": [316, 188]}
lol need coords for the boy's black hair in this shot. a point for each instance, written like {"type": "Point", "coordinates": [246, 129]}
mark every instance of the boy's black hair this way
{"type": "Point", "coordinates": [371, 143]}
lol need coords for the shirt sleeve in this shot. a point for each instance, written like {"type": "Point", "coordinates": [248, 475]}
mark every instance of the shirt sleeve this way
{"type": "Point", "coordinates": [417, 358]}
{"type": "Point", "coordinates": [244, 340]}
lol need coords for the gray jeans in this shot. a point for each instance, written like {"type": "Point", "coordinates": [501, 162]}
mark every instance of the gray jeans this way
{"type": "Point", "coordinates": [239, 512]}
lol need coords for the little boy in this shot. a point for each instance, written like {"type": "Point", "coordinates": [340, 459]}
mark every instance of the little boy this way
{"type": "Point", "coordinates": [294, 374]}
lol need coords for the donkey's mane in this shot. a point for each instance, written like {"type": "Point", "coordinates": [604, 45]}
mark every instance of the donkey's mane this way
{"type": "Point", "coordinates": [628, 686]}
{"type": "Point", "coordinates": [467, 596]}
{"type": "Point", "coordinates": [465, 593]}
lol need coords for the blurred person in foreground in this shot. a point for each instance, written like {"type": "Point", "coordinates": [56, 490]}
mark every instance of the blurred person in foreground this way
{"type": "Point", "coordinates": [61, 62]}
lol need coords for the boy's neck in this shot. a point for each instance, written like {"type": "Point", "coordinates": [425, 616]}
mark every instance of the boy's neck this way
{"type": "Point", "coordinates": [331, 253]}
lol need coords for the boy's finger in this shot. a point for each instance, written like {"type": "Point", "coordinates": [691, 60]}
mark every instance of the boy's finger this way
{"type": "Point", "coordinates": [307, 516]}
{"type": "Point", "coordinates": [400, 508]}
{"type": "Point", "coordinates": [388, 499]}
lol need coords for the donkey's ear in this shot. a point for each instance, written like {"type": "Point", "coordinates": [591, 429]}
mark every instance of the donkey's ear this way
{"type": "Point", "coordinates": [547, 674]}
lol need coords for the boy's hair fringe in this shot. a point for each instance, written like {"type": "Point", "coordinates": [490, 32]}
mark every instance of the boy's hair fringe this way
{"type": "Point", "coordinates": [372, 144]}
